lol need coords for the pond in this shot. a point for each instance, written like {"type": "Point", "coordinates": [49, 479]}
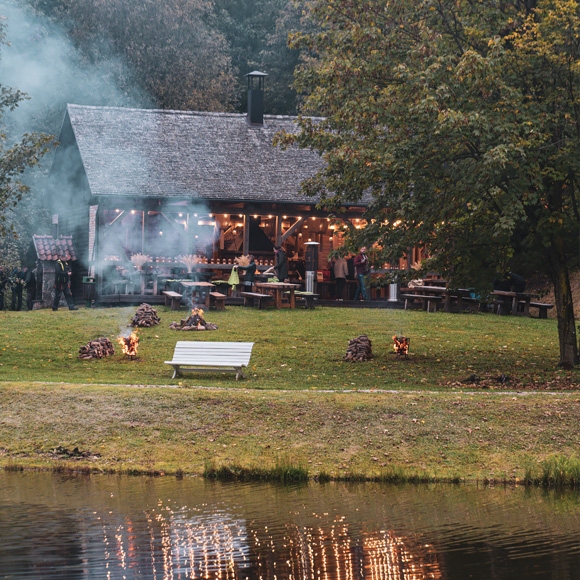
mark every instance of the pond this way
{"type": "Point", "coordinates": [115, 527]}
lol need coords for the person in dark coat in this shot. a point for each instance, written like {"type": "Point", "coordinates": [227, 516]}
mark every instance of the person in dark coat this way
{"type": "Point", "coordinates": [3, 283]}
{"type": "Point", "coordinates": [361, 268]}
{"type": "Point", "coordinates": [17, 287]}
{"type": "Point", "coordinates": [511, 282]}
{"type": "Point", "coordinates": [281, 265]}
{"type": "Point", "coordinates": [250, 273]}
{"type": "Point", "coordinates": [62, 274]}
{"type": "Point", "coordinates": [30, 285]}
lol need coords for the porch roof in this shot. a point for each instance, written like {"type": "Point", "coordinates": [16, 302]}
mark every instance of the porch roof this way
{"type": "Point", "coordinates": [192, 155]}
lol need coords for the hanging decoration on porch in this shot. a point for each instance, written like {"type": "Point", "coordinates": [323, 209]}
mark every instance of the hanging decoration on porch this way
{"type": "Point", "coordinates": [139, 260]}
{"type": "Point", "coordinates": [190, 260]}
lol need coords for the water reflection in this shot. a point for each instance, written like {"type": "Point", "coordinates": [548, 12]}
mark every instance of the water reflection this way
{"type": "Point", "coordinates": [124, 528]}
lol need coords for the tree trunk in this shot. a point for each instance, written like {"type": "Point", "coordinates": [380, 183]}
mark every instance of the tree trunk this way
{"type": "Point", "coordinates": [564, 305]}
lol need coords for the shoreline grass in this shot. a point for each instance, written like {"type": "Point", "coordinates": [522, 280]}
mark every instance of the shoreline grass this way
{"type": "Point", "coordinates": [442, 416]}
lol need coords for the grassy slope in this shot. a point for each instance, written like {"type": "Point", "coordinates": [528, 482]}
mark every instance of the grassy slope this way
{"type": "Point", "coordinates": [301, 403]}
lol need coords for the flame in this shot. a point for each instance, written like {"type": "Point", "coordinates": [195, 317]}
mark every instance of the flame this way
{"type": "Point", "coordinates": [197, 311]}
{"type": "Point", "coordinates": [401, 345]}
{"type": "Point", "coordinates": [129, 344]}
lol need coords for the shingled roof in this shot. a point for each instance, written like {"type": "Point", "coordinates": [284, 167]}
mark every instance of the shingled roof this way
{"type": "Point", "coordinates": [212, 156]}
{"type": "Point", "coordinates": [49, 248]}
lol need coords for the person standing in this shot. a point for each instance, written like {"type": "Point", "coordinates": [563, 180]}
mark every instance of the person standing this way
{"type": "Point", "coordinates": [281, 265]}
{"type": "Point", "coordinates": [3, 282]}
{"type": "Point", "coordinates": [340, 274]}
{"type": "Point", "coordinates": [250, 272]}
{"type": "Point", "coordinates": [30, 284]}
{"type": "Point", "coordinates": [361, 267]}
{"type": "Point", "coordinates": [62, 274]}
{"type": "Point", "coordinates": [17, 287]}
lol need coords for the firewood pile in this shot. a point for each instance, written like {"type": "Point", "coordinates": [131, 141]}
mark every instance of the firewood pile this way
{"type": "Point", "coordinates": [97, 348]}
{"type": "Point", "coordinates": [194, 321]}
{"type": "Point", "coordinates": [145, 316]}
{"type": "Point", "coordinates": [359, 349]}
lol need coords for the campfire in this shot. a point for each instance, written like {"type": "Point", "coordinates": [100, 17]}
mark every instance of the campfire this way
{"type": "Point", "coordinates": [401, 346]}
{"type": "Point", "coordinates": [130, 344]}
{"type": "Point", "coordinates": [194, 321]}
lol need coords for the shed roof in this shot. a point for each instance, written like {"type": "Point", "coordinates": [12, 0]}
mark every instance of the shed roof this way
{"type": "Point", "coordinates": [51, 249]}
{"type": "Point", "coordinates": [211, 156]}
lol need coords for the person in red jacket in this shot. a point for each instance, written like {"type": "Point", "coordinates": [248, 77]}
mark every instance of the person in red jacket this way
{"type": "Point", "coordinates": [361, 267]}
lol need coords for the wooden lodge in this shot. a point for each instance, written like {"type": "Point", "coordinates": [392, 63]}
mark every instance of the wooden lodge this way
{"type": "Point", "coordinates": [176, 187]}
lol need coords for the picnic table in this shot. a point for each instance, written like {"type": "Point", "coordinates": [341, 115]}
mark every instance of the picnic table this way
{"type": "Point", "coordinates": [507, 302]}
{"type": "Point", "coordinates": [277, 289]}
{"type": "Point", "coordinates": [452, 298]}
{"type": "Point", "coordinates": [429, 296]}
{"type": "Point", "coordinates": [199, 292]}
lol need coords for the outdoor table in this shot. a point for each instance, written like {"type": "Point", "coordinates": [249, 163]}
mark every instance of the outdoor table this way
{"type": "Point", "coordinates": [510, 301]}
{"type": "Point", "coordinates": [427, 295]}
{"type": "Point", "coordinates": [201, 291]}
{"type": "Point", "coordinates": [457, 295]}
{"type": "Point", "coordinates": [278, 289]}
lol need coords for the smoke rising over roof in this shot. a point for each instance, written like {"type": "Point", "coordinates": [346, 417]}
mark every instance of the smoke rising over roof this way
{"type": "Point", "coordinates": [42, 62]}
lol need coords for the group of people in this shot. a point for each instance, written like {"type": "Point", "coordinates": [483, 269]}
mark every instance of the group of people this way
{"type": "Point", "coordinates": [341, 272]}
{"type": "Point", "coordinates": [25, 278]}
{"type": "Point", "coordinates": [361, 269]}
{"type": "Point", "coordinates": [280, 268]}
{"type": "Point", "coordinates": [17, 282]}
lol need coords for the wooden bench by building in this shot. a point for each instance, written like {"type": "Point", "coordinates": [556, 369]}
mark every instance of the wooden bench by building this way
{"type": "Point", "coordinates": [542, 308]}
{"type": "Point", "coordinates": [251, 297]}
{"type": "Point", "coordinates": [307, 298]}
{"type": "Point", "coordinates": [428, 303]}
{"type": "Point", "coordinates": [217, 300]}
{"type": "Point", "coordinates": [194, 356]}
{"type": "Point", "coordinates": [172, 298]}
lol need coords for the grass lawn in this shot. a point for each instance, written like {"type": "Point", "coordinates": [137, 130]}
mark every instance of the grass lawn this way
{"type": "Point", "coordinates": [479, 397]}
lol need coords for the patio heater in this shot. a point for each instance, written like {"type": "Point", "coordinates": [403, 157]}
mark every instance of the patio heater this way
{"type": "Point", "coordinates": [393, 289]}
{"type": "Point", "coordinates": [311, 259]}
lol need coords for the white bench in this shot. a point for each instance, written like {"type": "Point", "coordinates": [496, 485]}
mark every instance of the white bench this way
{"type": "Point", "coordinates": [210, 356]}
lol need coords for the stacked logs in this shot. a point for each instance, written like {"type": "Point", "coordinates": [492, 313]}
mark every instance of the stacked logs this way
{"type": "Point", "coordinates": [194, 321]}
{"type": "Point", "coordinates": [145, 316]}
{"type": "Point", "coordinates": [97, 348]}
{"type": "Point", "coordinates": [359, 349]}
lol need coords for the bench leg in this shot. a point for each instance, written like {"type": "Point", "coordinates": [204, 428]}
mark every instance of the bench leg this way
{"type": "Point", "coordinates": [543, 313]}
{"type": "Point", "coordinates": [261, 304]}
{"type": "Point", "coordinates": [239, 373]}
{"type": "Point", "coordinates": [248, 301]}
{"type": "Point", "coordinates": [176, 372]}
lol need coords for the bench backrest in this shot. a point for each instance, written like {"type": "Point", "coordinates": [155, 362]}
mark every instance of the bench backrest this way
{"type": "Point", "coordinates": [208, 353]}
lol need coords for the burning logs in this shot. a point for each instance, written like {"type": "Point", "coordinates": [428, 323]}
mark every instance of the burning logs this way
{"type": "Point", "coordinates": [401, 346]}
{"type": "Point", "coordinates": [194, 321]}
{"type": "Point", "coordinates": [97, 348]}
{"type": "Point", "coordinates": [129, 344]}
{"type": "Point", "coordinates": [145, 316]}
{"type": "Point", "coordinates": [359, 349]}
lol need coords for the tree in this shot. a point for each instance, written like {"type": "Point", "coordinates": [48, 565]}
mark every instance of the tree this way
{"type": "Point", "coordinates": [15, 158]}
{"type": "Point", "coordinates": [256, 32]}
{"type": "Point", "coordinates": [459, 120]}
{"type": "Point", "coordinates": [173, 51]}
